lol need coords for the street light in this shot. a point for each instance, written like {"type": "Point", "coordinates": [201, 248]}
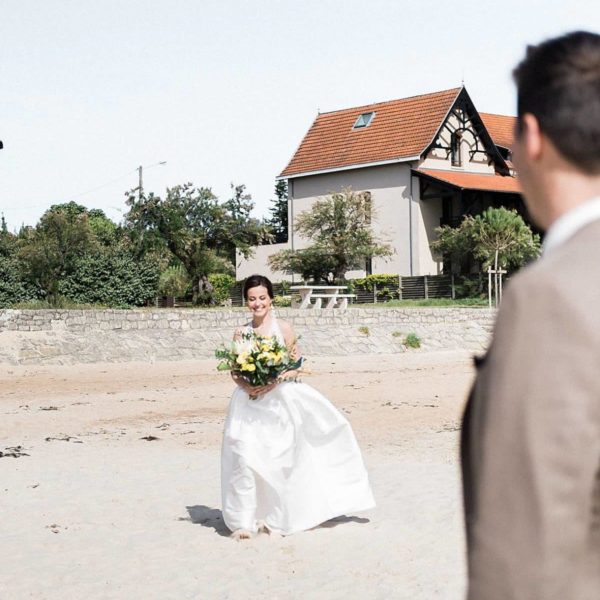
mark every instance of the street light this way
{"type": "Point", "coordinates": [140, 169]}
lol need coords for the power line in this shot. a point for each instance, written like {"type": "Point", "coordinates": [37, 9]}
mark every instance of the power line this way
{"type": "Point", "coordinates": [95, 189]}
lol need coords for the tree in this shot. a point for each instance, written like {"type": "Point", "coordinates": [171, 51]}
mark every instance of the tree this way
{"type": "Point", "coordinates": [14, 285]}
{"type": "Point", "coordinates": [312, 263]}
{"type": "Point", "coordinates": [50, 250]}
{"type": "Point", "coordinates": [8, 241]}
{"type": "Point", "coordinates": [498, 237]}
{"type": "Point", "coordinates": [278, 221]}
{"type": "Point", "coordinates": [340, 227]}
{"type": "Point", "coordinates": [198, 230]}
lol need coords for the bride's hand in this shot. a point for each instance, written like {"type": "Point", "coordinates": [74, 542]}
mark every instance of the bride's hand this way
{"type": "Point", "coordinates": [259, 390]}
{"type": "Point", "coordinates": [252, 390]}
{"type": "Point", "coordinates": [241, 382]}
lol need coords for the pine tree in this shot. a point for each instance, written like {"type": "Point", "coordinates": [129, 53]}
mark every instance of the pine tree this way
{"type": "Point", "coordinates": [278, 221]}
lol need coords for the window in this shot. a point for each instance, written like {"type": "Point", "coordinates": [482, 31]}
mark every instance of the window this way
{"type": "Point", "coordinates": [364, 120]}
{"type": "Point", "coordinates": [455, 154]}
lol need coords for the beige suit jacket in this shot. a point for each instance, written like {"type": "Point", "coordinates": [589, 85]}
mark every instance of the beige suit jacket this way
{"type": "Point", "coordinates": [531, 435]}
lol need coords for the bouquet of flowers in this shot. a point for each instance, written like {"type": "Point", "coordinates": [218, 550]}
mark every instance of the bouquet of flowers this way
{"type": "Point", "coordinates": [258, 359]}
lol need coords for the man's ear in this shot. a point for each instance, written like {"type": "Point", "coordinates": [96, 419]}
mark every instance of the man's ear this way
{"type": "Point", "coordinates": [531, 135]}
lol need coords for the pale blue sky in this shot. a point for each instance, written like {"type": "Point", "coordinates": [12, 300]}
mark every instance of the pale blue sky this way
{"type": "Point", "coordinates": [224, 90]}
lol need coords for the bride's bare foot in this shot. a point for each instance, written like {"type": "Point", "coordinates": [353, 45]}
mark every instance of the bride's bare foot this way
{"type": "Point", "coordinates": [263, 528]}
{"type": "Point", "coordinates": [241, 534]}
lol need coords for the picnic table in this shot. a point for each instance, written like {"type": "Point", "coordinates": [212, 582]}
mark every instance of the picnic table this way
{"type": "Point", "coordinates": [312, 296]}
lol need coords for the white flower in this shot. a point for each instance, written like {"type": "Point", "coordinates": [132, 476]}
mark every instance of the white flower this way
{"type": "Point", "coordinates": [243, 346]}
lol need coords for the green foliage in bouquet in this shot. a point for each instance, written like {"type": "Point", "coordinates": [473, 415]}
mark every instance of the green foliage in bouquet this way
{"type": "Point", "coordinates": [258, 359]}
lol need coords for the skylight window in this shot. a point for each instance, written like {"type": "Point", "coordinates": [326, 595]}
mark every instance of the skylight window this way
{"type": "Point", "coordinates": [364, 120]}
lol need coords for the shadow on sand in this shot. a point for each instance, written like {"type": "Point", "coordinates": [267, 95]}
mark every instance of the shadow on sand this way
{"type": "Point", "coordinates": [343, 519]}
{"type": "Point", "coordinates": [207, 517]}
{"type": "Point", "coordinates": [213, 519]}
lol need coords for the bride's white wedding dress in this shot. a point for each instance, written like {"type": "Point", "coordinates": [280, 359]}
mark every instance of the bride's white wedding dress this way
{"type": "Point", "coordinates": [289, 460]}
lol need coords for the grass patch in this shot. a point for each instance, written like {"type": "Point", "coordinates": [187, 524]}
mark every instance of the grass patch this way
{"type": "Point", "coordinates": [433, 302]}
{"type": "Point", "coordinates": [412, 340]}
{"type": "Point", "coordinates": [364, 329]}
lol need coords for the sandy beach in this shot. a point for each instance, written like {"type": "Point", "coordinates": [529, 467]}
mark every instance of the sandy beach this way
{"type": "Point", "coordinates": [109, 485]}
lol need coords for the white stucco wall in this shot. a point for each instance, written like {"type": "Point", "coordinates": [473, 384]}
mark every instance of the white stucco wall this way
{"type": "Point", "coordinates": [428, 219]}
{"type": "Point", "coordinates": [257, 263]}
{"type": "Point", "coordinates": [393, 209]}
{"type": "Point", "coordinates": [390, 196]}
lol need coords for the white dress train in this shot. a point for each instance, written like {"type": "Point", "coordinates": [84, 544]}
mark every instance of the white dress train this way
{"type": "Point", "coordinates": [289, 459]}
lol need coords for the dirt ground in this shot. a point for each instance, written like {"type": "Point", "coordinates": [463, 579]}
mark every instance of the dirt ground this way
{"type": "Point", "coordinates": [109, 485]}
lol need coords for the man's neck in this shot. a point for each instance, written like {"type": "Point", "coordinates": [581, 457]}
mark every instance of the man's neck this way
{"type": "Point", "coordinates": [565, 190]}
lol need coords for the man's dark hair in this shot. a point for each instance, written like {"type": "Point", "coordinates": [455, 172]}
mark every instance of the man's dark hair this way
{"type": "Point", "coordinates": [559, 83]}
{"type": "Point", "coordinates": [256, 281]}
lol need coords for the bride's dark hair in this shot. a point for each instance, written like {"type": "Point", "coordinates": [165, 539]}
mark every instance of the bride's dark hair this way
{"type": "Point", "coordinates": [256, 281]}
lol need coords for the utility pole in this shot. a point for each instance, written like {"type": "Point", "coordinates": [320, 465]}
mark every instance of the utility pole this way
{"type": "Point", "coordinates": [140, 183]}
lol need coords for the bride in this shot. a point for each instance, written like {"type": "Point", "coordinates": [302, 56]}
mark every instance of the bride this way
{"type": "Point", "coordinates": [289, 459]}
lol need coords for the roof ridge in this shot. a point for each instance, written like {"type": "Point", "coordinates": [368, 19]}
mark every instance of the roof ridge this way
{"type": "Point", "coordinates": [482, 174]}
{"type": "Point", "coordinates": [339, 110]}
{"type": "Point", "coordinates": [483, 112]}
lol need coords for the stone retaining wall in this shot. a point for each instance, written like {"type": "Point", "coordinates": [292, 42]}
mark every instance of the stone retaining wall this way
{"type": "Point", "coordinates": [85, 336]}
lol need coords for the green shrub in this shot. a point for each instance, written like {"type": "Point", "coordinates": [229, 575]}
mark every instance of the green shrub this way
{"type": "Point", "coordinates": [116, 280]}
{"type": "Point", "coordinates": [412, 340]}
{"type": "Point", "coordinates": [174, 281]}
{"type": "Point", "coordinates": [470, 286]}
{"type": "Point", "coordinates": [285, 288]}
{"type": "Point", "coordinates": [282, 301]}
{"type": "Point", "coordinates": [386, 285]}
{"type": "Point", "coordinates": [364, 329]}
{"type": "Point", "coordinates": [222, 284]}
{"type": "Point", "coordinates": [14, 287]}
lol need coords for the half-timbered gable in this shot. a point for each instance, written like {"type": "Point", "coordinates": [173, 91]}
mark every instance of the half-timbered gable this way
{"type": "Point", "coordinates": [464, 143]}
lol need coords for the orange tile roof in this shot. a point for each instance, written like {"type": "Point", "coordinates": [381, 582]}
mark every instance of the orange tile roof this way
{"type": "Point", "coordinates": [474, 181]}
{"type": "Point", "coordinates": [400, 129]}
{"type": "Point", "coordinates": [500, 128]}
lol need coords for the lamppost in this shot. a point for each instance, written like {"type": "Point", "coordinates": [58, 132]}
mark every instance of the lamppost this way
{"type": "Point", "coordinates": [140, 169]}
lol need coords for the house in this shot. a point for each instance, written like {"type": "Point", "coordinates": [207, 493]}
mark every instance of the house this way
{"type": "Point", "coordinates": [426, 160]}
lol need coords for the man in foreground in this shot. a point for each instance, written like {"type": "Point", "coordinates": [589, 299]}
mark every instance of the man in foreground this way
{"type": "Point", "coordinates": [531, 431]}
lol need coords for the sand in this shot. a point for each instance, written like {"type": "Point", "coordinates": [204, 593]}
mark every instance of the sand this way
{"type": "Point", "coordinates": [98, 508]}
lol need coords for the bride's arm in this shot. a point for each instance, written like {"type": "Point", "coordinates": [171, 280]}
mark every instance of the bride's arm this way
{"type": "Point", "coordinates": [291, 342]}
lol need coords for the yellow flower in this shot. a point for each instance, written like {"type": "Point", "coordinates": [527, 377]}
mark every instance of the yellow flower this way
{"type": "Point", "coordinates": [249, 367]}
{"type": "Point", "coordinates": [242, 358]}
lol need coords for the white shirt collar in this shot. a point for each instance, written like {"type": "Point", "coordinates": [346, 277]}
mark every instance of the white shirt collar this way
{"type": "Point", "coordinates": [570, 223]}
